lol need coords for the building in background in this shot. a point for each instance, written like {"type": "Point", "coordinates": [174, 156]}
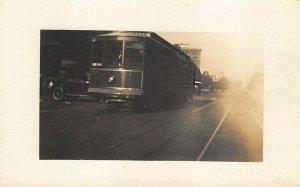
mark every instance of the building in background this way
{"type": "Point", "coordinates": [61, 48]}
{"type": "Point", "coordinates": [195, 55]}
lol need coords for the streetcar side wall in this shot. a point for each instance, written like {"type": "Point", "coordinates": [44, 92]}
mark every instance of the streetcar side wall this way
{"type": "Point", "coordinates": [168, 76]}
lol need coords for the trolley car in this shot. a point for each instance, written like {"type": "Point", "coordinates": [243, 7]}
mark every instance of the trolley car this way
{"type": "Point", "coordinates": [140, 68]}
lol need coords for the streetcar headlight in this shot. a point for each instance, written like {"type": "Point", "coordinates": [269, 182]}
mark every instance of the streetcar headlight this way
{"type": "Point", "coordinates": [50, 84]}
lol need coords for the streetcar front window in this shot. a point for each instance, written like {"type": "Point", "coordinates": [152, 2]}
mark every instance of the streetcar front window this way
{"type": "Point", "coordinates": [134, 52]}
{"type": "Point", "coordinates": [107, 54]}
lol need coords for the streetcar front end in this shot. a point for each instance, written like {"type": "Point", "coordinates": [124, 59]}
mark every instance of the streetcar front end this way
{"type": "Point", "coordinates": [117, 68]}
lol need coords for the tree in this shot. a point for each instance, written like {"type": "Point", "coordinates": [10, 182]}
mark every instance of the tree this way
{"type": "Point", "coordinates": [222, 84]}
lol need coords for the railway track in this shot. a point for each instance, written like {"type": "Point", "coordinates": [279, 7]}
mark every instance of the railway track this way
{"type": "Point", "coordinates": [105, 113]}
{"type": "Point", "coordinates": [112, 121]}
{"type": "Point", "coordinates": [114, 146]}
{"type": "Point", "coordinates": [73, 122]}
{"type": "Point", "coordinates": [181, 131]}
{"type": "Point", "coordinates": [200, 156]}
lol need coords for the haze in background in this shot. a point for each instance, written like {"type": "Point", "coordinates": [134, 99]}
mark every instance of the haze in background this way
{"type": "Point", "coordinates": [237, 55]}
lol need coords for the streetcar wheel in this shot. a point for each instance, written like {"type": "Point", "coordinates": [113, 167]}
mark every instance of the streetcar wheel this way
{"type": "Point", "coordinates": [58, 93]}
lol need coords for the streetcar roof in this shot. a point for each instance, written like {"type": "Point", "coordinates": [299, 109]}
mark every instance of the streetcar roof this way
{"type": "Point", "coordinates": [146, 34]}
{"type": "Point", "coordinates": [127, 33]}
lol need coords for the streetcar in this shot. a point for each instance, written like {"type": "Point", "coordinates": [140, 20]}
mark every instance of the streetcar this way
{"type": "Point", "coordinates": [139, 68]}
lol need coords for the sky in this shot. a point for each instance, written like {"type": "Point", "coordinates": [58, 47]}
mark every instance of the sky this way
{"type": "Point", "coordinates": [237, 55]}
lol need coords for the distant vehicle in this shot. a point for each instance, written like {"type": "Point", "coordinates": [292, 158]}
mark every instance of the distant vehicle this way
{"type": "Point", "coordinates": [72, 83]}
{"type": "Point", "coordinates": [68, 88]}
{"type": "Point", "coordinates": [140, 68]}
{"type": "Point", "coordinates": [198, 87]}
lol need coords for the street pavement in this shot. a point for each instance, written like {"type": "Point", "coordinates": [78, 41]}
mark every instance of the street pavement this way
{"type": "Point", "coordinates": [212, 127]}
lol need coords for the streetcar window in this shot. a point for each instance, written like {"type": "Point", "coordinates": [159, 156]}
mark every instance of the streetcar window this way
{"type": "Point", "coordinates": [161, 67]}
{"type": "Point", "coordinates": [173, 68]}
{"type": "Point", "coordinates": [184, 72]}
{"type": "Point", "coordinates": [134, 52]}
{"type": "Point", "coordinates": [107, 54]}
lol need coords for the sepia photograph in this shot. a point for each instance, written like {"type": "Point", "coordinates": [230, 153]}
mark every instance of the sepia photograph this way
{"type": "Point", "coordinates": [141, 95]}
{"type": "Point", "coordinates": [149, 93]}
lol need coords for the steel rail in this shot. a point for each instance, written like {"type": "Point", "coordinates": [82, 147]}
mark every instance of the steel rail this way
{"type": "Point", "coordinates": [200, 156]}
{"type": "Point", "coordinates": [148, 131]}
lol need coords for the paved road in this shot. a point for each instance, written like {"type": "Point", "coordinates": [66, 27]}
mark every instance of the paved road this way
{"type": "Point", "coordinates": [220, 127]}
